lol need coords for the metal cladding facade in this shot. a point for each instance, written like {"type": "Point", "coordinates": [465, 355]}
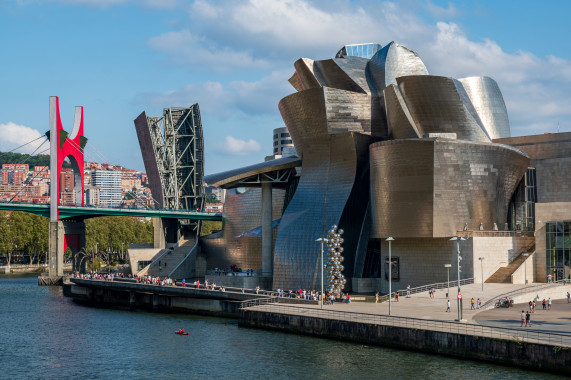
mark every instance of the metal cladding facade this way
{"type": "Point", "coordinates": [433, 187]}
{"type": "Point", "coordinates": [242, 212]}
{"type": "Point", "coordinates": [391, 62]}
{"type": "Point", "coordinates": [333, 189]}
{"type": "Point", "coordinates": [386, 150]}
{"type": "Point", "coordinates": [488, 101]}
{"type": "Point", "coordinates": [437, 104]}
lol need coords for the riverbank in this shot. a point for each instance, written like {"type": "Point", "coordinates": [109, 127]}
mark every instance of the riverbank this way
{"type": "Point", "coordinates": [525, 348]}
{"type": "Point", "coordinates": [531, 349]}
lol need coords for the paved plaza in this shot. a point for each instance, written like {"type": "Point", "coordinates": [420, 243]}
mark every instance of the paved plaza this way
{"type": "Point", "coordinates": [420, 305]}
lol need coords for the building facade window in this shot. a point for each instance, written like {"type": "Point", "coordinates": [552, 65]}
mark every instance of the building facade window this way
{"type": "Point", "coordinates": [558, 249]}
{"type": "Point", "coordinates": [395, 272]}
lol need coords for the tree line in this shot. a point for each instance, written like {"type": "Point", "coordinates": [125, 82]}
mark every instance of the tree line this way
{"type": "Point", "coordinates": [24, 236]}
{"type": "Point", "coordinates": [32, 161]}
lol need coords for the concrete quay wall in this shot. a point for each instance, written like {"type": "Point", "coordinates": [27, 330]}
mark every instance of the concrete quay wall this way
{"type": "Point", "coordinates": [130, 295]}
{"type": "Point", "coordinates": [534, 356]}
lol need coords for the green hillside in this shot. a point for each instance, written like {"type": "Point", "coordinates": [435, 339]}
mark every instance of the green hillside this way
{"type": "Point", "coordinates": [18, 158]}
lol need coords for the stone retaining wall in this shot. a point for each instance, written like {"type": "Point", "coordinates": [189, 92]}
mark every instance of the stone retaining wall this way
{"type": "Point", "coordinates": [508, 352]}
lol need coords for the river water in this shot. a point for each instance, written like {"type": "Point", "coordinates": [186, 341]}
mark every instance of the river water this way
{"type": "Point", "coordinates": [45, 335]}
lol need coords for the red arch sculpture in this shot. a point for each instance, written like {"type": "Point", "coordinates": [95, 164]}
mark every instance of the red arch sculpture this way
{"type": "Point", "coordinates": [63, 145]}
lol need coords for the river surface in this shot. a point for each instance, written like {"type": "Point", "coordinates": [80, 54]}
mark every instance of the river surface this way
{"type": "Point", "coordinates": [44, 335]}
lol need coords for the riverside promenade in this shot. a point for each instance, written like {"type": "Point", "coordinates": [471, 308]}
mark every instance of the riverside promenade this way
{"type": "Point", "coordinates": [421, 323]}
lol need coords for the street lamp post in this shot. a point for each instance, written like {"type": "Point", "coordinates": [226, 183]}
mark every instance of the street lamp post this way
{"type": "Point", "coordinates": [448, 266]}
{"type": "Point", "coordinates": [525, 267]}
{"type": "Point", "coordinates": [322, 240]}
{"type": "Point", "coordinates": [482, 270]}
{"type": "Point", "coordinates": [390, 239]}
{"type": "Point", "coordinates": [458, 240]}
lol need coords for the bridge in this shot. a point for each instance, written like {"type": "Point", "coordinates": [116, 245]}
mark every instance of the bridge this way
{"type": "Point", "coordinates": [173, 154]}
{"type": "Point", "coordinates": [79, 213]}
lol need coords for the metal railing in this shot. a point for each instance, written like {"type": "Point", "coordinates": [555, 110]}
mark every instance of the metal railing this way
{"type": "Point", "coordinates": [491, 302]}
{"type": "Point", "coordinates": [426, 288]}
{"type": "Point", "coordinates": [527, 335]}
{"type": "Point", "coordinates": [243, 273]}
{"type": "Point", "coordinates": [478, 233]}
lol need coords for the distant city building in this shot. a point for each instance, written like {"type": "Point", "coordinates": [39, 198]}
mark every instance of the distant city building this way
{"type": "Point", "coordinates": [67, 182]}
{"type": "Point", "coordinates": [92, 195]}
{"type": "Point", "coordinates": [214, 208]}
{"type": "Point", "coordinates": [109, 182]}
{"type": "Point", "coordinates": [282, 142]}
{"type": "Point", "coordinates": [218, 192]}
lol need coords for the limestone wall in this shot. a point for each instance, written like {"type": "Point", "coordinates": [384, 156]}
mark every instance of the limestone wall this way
{"type": "Point", "coordinates": [545, 213]}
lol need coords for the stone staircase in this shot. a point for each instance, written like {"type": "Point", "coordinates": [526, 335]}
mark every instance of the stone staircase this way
{"type": "Point", "coordinates": [164, 264]}
{"type": "Point", "coordinates": [504, 274]}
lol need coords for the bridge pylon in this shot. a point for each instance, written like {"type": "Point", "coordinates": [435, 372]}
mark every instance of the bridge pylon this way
{"type": "Point", "coordinates": [63, 234]}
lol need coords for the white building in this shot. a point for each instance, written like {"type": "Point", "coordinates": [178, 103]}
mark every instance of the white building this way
{"type": "Point", "coordinates": [109, 183]}
{"type": "Point", "coordinates": [283, 145]}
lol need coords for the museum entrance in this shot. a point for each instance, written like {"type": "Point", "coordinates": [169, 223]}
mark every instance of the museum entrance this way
{"type": "Point", "coordinates": [558, 249]}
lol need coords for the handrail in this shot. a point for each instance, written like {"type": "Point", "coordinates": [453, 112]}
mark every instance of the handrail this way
{"type": "Point", "coordinates": [195, 246]}
{"type": "Point", "coordinates": [526, 289]}
{"type": "Point", "coordinates": [420, 324]}
{"type": "Point", "coordinates": [425, 288]}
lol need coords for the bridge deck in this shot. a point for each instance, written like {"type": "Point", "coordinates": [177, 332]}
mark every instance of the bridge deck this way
{"type": "Point", "coordinates": [71, 212]}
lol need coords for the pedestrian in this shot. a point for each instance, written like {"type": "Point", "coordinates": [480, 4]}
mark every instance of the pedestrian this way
{"type": "Point", "coordinates": [522, 318]}
{"type": "Point", "coordinates": [549, 303]}
{"type": "Point", "coordinates": [544, 303]}
{"type": "Point", "coordinates": [377, 297]}
{"type": "Point", "coordinates": [528, 319]}
{"type": "Point", "coordinates": [408, 291]}
{"type": "Point", "coordinates": [448, 306]}
{"type": "Point", "coordinates": [549, 278]}
{"type": "Point", "coordinates": [472, 302]}
{"type": "Point", "coordinates": [257, 289]}
{"type": "Point", "coordinates": [530, 305]}
{"type": "Point", "coordinates": [396, 296]}
{"type": "Point", "coordinates": [479, 303]}
{"type": "Point", "coordinates": [430, 293]}
{"type": "Point", "coordinates": [568, 297]}
{"type": "Point", "coordinates": [534, 305]}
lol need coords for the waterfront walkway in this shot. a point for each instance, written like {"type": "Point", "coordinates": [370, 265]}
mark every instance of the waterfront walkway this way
{"type": "Point", "coordinates": [422, 312]}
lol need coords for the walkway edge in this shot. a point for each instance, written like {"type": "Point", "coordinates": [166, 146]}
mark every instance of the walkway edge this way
{"type": "Point", "coordinates": [535, 356]}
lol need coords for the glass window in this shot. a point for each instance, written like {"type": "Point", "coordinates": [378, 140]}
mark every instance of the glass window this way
{"type": "Point", "coordinates": [395, 268]}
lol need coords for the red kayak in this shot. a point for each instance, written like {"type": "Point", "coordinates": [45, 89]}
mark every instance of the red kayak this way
{"type": "Point", "coordinates": [180, 332]}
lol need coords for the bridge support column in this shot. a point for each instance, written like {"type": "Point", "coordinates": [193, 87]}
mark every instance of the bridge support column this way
{"type": "Point", "coordinates": [267, 233]}
{"type": "Point", "coordinates": [56, 248]}
{"type": "Point", "coordinates": [64, 234]}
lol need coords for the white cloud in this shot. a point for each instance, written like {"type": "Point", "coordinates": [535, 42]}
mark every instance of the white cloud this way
{"type": "Point", "coordinates": [13, 135]}
{"type": "Point", "coordinates": [266, 35]}
{"type": "Point", "coordinates": [185, 47]}
{"type": "Point", "coordinates": [238, 147]}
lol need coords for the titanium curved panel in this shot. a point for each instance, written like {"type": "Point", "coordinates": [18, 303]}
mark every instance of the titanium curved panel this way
{"type": "Point", "coordinates": [331, 75]}
{"type": "Point", "coordinates": [229, 178]}
{"type": "Point", "coordinates": [400, 122]}
{"type": "Point", "coordinates": [488, 101]}
{"type": "Point", "coordinates": [242, 212]}
{"type": "Point", "coordinates": [393, 61]}
{"type": "Point", "coordinates": [322, 111]}
{"type": "Point", "coordinates": [306, 76]}
{"type": "Point", "coordinates": [432, 187]}
{"type": "Point", "coordinates": [323, 197]}
{"type": "Point", "coordinates": [436, 105]}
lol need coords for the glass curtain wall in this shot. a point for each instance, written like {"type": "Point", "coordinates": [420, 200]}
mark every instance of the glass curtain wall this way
{"type": "Point", "coordinates": [558, 249]}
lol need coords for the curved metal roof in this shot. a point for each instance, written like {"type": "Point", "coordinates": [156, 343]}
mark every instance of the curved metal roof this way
{"type": "Point", "coordinates": [253, 175]}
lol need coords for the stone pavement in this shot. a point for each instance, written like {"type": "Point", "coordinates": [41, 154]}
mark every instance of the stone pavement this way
{"type": "Point", "coordinates": [420, 305]}
{"type": "Point", "coordinates": [557, 320]}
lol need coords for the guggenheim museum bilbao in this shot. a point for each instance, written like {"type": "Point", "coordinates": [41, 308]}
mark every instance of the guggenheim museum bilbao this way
{"type": "Point", "coordinates": [384, 149]}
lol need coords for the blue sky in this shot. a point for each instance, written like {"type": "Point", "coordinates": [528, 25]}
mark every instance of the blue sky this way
{"type": "Point", "coordinates": [120, 57]}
